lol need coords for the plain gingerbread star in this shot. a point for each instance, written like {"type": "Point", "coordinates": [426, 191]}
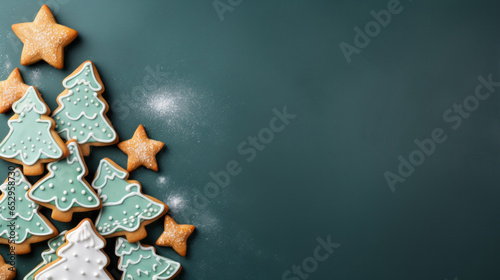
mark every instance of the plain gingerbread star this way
{"type": "Point", "coordinates": [175, 236]}
{"type": "Point", "coordinates": [44, 39]}
{"type": "Point", "coordinates": [141, 150]}
{"type": "Point", "coordinates": [11, 90]}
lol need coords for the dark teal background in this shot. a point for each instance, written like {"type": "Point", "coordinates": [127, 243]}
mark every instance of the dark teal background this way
{"type": "Point", "coordinates": [323, 175]}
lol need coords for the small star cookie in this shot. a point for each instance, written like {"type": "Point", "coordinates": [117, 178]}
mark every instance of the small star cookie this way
{"type": "Point", "coordinates": [175, 236]}
{"type": "Point", "coordinates": [11, 90]}
{"type": "Point", "coordinates": [7, 271]}
{"type": "Point", "coordinates": [141, 150]}
{"type": "Point", "coordinates": [44, 39]}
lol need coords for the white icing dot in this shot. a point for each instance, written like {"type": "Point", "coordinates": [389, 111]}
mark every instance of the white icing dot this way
{"type": "Point", "coordinates": [103, 130]}
{"type": "Point", "coordinates": [13, 144]}
{"type": "Point", "coordinates": [66, 267]}
{"type": "Point", "coordinates": [109, 135]}
{"type": "Point", "coordinates": [70, 181]}
{"type": "Point", "coordinates": [137, 206]}
{"type": "Point", "coordinates": [86, 97]}
{"type": "Point", "coordinates": [65, 192]}
{"type": "Point", "coordinates": [75, 254]}
{"type": "Point", "coordinates": [57, 117]}
{"type": "Point", "coordinates": [86, 90]}
{"type": "Point", "coordinates": [54, 167]}
{"type": "Point", "coordinates": [110, 218]}
{"type": "Point", "coordinates": [81, 132]}
{"type": "Point", "coordinates": [68, 99]}
{"type": "Point", "coordinates": [90, 198]}
{"type": "Point", "coordinates": [74, 129]}
{"type": "Point", "coordinates": [87, 259]}
{"type": "Point", "coordinates": [96, 124]}
{"type": "Point", "coordinates": [78, 99]}
{"type": "Point", "coordinates": [39, 133]}
{"type": "Point", "coordinates": [42, 229]}
{"type": "Point", "coordinates": [78, 169]}
{"type": "Point", "coordinates": [77, 89]}
{"type": "Point", "coordinates": [86, 104]}
{"type": "Point", "coordinates": [20, 199]}
{"type": "Point", "coordinates": [68, 123]}
{"type": "Point", "coordinates": [74, 102]}
{"type": "Point", "coordinates": [92, 101]}
{"type": "Point", "coordinates": [63, 199]}
{"type": "Point", "coordinates": [83, 125]}
{"type": "Point", "coordinates": [84, 192]}
{"type": "Point", "coordinates": [124, 212]}
{"type": "Point", "coordinates": [26, 188]}
{"type": "Point", "coordinates": [72, 190]}
{"type": "Point", "coordinates": [3, 150]}
{"type": "Point", "coordinates": [38, 224]}
{"type": "Point", "coordinates": [29, 138]}
{"type": "Point", "coordinates": [38, 139]}
{"type": "Point", "coordinates": [50, 184]}
{"type": "Point", "coordinates": [42, 188]}
{"type": "Point", "coordinates": [62, 122]}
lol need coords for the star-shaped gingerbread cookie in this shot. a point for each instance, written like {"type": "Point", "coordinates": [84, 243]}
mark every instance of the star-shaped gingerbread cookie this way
{"type": "Point", "coordinates": [11, 90]}
{"type": "Point", "coordinates": [44, 39]}
{"type": "Point", "coordinates": [175, 236]}
{"type": "Point", "coordinates": [141, 150]}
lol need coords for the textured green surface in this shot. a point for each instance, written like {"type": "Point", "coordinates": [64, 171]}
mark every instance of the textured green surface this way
{"type": "Point", "coordinates": [323, 174]}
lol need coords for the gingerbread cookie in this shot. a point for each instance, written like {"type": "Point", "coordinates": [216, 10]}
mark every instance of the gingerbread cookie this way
{"type": "Point", "coordinates": [141, 262]}
{"type": "Point", "coordinates": [175, 236]}
{"type": "Point", "coordinates": [80, 258]}
{"type": "Point", "coordinates": [44, 39]}
{"type": "Point", "coordinates": [64, 189]}
{"type": "Point", "coordinates": [7, 271]}
{"type": "Point", "coordinates": [81, 114]}
{"type": "Point", "coordinates": [20, 223]}
{"type": "Point", "coordinates": [32, 140]}
{"type": "Point", "coordinates": [48, 255]}
{"type": "Point", "coordinates": [141, 150]}
{"type": "Point", "coordinates": [11, 90]}
{"type": "Point", "coordinates": [125, 209]}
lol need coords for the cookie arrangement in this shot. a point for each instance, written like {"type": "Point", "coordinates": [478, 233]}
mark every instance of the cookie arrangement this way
{"type": "Point", "coordinates": [55, 145]}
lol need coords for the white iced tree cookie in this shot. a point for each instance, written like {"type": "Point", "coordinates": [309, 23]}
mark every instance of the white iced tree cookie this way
{"type": "Point", "coordinates": [20, 222]}
{"type": "Point", "coordinates": [141, 262]}
{"type": "Point", "coordinates": [64, 189]}
{"type": "Point", "coordinates": [80, 258]}
{"type": "Point", "coordinates": [81, 114]}
{"type": "Point", "coordinates": [32, 139]}
{"type": "Point", "coordinates": [48, 255]}
{"type": "Point", "coordinates": [125, 209]}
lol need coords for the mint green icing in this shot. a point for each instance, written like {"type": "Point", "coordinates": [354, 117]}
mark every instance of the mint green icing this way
{"type": "Point", "coordinates": [64, 187]}
{"type": "Point", "coordinates": [81, 114]}
{"type": "Point", "coordinates": [124, 207]}
{"type": "Point", "coordinates": [48, 255]}
{"type": "Point", "coordinates": [30, 138]}
{"type": "Point", "coordinates": [142, 263]}
{"type": "Point", "coordinates": [25, 214]}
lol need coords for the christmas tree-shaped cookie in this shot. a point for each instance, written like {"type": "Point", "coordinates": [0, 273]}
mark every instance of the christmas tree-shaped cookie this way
{"type": "Point", "coordinates": [81, 114]}
{"type": "Point", "coordinates": [141, 262]}
{"type": "Point", "coordinates": [22, 215]}
{"type": "Point", "coordinates": [48, 255]}
{"type": "Point", "coordinates": [32, 139]}
{"type": "Point", "coordinates": [64, 189]}
{"type": "Point", "coordinates": [80, 258]}
{"type": "Point", "coordinates": [125, 209]}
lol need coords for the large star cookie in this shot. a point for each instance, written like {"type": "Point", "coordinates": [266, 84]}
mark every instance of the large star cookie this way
{"type": "Point", "coordinates": [44, 39]}
{"type": "Point", "coordinates": [11, 90]}
{"type": "Point", "coordinates": [175, 236]}
{"type": "Point", "coordinates": [141, 150]}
